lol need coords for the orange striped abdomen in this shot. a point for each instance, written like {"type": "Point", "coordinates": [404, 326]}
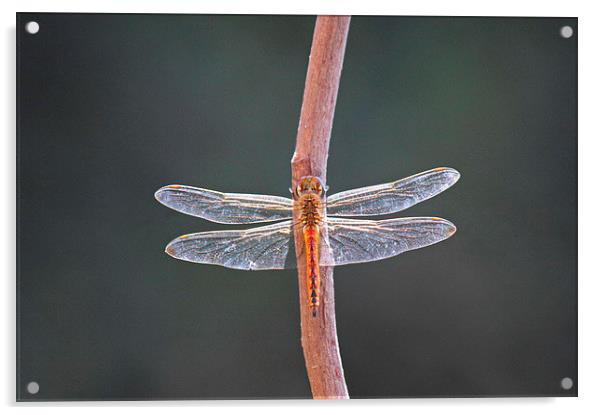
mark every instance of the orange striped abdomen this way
{"type": "Point", "coordinates": [311, 236]}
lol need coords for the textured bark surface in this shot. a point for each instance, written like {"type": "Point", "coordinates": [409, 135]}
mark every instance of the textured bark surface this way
{"type": "Point", "coordinates": [318, 334]}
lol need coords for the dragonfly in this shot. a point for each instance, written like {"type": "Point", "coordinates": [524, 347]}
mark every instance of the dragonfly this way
{"type": "Point", "coordinates": [318, 217]}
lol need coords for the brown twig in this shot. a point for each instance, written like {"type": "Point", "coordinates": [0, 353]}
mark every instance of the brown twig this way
{"type": "Point", "coordinates": [318, 334]}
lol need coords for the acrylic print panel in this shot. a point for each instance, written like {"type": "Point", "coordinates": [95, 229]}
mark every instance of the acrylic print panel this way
{"type": "Point", "coordinates": [112, 107]}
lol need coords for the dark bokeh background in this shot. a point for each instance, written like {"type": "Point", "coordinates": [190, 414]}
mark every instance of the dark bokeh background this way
{"type": "Point", "coordinates": [111, 107]}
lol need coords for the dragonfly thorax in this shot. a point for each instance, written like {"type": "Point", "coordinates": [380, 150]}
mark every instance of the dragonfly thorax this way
{"type": "Point", "coordinates": [308, 195]}
{"type": "Point", "coordinates": [310, 206]}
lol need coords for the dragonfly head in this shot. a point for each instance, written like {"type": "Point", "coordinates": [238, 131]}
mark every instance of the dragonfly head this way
{"type": "Point", "coordinates": [309, 185]}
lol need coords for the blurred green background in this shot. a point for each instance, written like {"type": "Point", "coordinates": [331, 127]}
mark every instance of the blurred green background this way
{"type": "Point", "coordinates": [112, 107]}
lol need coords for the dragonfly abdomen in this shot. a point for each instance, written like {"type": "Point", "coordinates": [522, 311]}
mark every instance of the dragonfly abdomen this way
{"type": "Point", "coordinates": [311, 235]}
{"type": "Point", "coordinates": [311, 219]}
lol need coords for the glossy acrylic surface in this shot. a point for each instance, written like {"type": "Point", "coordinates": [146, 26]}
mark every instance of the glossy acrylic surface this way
{"type": "Point", "coordinates": [112, 107]}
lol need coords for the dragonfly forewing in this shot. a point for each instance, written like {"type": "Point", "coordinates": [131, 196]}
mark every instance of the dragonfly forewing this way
{"type": "Point", "coordinates": [228, 208]}
{"type": "Point", "coordinates": [392, 197]}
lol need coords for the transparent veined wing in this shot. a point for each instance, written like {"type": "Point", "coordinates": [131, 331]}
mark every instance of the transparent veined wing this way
{"type": "Point", "coordinates": [353, 241]}
{"type": "Point", "coordinates": [391, 197]}
{"type": "Point", "coordinates": [272, 247]}
{"type": "Point", "coordinates": [230, 208]}
{"type": "Point", "coordinates": [265, 247]}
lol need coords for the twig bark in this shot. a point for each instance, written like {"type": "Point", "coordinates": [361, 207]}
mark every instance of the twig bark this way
{"type": "Point", "coordinates": [318, 334]}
